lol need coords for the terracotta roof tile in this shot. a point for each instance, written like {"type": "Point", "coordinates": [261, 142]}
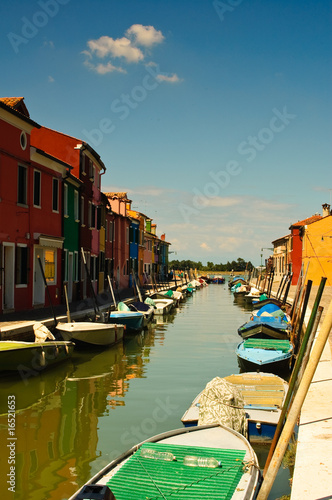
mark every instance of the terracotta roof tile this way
{"type": "Point", "coordinates": [306, 222]}
{"type": "Point", "coordinates": [16, 103]}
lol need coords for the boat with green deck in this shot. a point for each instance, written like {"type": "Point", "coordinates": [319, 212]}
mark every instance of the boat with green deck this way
{"type": "Point", "coordinates": [224, 467]}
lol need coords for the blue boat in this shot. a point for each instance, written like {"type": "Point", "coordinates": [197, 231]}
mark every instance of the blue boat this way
{"type": "Point", "coordinates": [269, 322]}
{"type": "Point", "coordinates": [133, 320]}
{"type": "Point", "coordinates": [263, 395]}
{"type": "Point", "coordinates": [267, 355]}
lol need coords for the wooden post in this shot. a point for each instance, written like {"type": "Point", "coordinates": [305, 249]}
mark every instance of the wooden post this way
{"type": "Point", "coordinates": [294, 412]}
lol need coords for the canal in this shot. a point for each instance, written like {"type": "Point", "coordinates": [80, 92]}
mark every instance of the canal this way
{"type": "Point", "coordinates": [74, 419]}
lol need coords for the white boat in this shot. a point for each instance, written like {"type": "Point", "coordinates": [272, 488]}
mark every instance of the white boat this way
{"type": "Point", "coordinates": [212, 462]}
{"type": "Point", "coordinates": [263, 397]}
{"type": "Point", "coordinates": [87, 333]}
{"type": "Point", "coordinates": [161, 306]}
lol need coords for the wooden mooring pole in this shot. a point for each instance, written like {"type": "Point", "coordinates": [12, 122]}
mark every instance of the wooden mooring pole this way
{"type": "Point", "coordinates": [296, 406]}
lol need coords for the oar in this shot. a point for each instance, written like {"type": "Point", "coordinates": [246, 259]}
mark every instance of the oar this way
{"type": "Point", "coordinates": [67, 303]}
{"type": "Point", "coordinates": [112, 292]}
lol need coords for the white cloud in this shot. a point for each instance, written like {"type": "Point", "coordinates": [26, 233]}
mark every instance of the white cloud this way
{"type": "Point", "coordinates": [102, 69]}
{"type": "Point", "coordinates": [144, 35]}
{"type": "Point", "coordinates": [205, 246]}
{"type": "Point", "coordinates": [121, 47]}
{"type": "Point", "coordinates": [50, 79]}
{"type": "Point", "coordinates": [169, 79]}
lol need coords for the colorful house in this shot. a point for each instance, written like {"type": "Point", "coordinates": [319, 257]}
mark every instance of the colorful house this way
{"type": "Point", "coordinates": [117, 247]}
{"type": "Point", "coordinates": [88, 167]}
{"type": "Point", "coordinates": [317, 248]}
{"type": "Point", "coordinates": [295, 256]}
{"type": "Point", "coordinates": [31, 197]}
{"type": "Point", "coordinates": [71, 232]}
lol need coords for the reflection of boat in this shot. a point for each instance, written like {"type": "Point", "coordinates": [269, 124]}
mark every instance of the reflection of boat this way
{"type": "Point", "coordinates": [33, 386]}
{"type": "Point", "coordinates": [25, 357]}
{"type": "Point", "coordinates": [86, 333]}
{"type": "Point", "coordinates": [263, 396]}
{"type": "Point", "coordinates": [268, 355]}
{"type": "Point", "coordinates": [157, 467]}
{"type": "Point", "coordinates": [97, 364]}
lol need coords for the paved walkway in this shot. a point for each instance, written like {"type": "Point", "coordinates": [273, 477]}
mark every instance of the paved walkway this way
{"type": "Point", "coordinates": [312, 478]}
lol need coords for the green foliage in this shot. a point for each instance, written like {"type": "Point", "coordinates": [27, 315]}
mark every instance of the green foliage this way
{"type": "Point", "coordinates": [235, 265]}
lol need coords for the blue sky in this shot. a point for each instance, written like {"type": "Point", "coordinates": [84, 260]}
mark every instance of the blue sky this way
{"type": "Point", "coordinates": [214, 116]}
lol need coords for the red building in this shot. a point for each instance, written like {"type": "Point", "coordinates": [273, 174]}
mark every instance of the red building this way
{"type": "Point", "coordinates": [30, 213]}
{"type": "Point", "coordinates": [88, 167]}
{"type": "Point", "coordinates": [117, 239]}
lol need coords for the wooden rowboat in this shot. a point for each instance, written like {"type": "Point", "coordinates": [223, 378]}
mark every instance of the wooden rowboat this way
{"type": "Point", "coordinates": [267, 355]}
{"type": "Point", "coordinates": [263, 395]}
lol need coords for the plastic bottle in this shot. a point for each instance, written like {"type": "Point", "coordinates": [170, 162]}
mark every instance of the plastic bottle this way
{"type": "Point", "coordinates": [157, 455]}
{"type": "Point", "coordinates": [194, 461]}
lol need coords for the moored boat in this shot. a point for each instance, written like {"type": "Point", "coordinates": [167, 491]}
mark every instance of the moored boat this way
{"type": "Point", "coordinates": [263, 396]}
{"type": "Point", "coordinates": [24, 357]}
{"type": "Point", "coordinates": [210, 461]}
{"type": "Point", "coordinates": [87, 334]}
{"type": "Point", "coordinates": [161, 306]}
{"type": "Point", "coordinates": [267, 355]}
{"type": "Point", "coordinates": [133, 320]}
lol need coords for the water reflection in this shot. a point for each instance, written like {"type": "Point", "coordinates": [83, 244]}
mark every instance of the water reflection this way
{"type": "Point", "coordinates": [73, 419]}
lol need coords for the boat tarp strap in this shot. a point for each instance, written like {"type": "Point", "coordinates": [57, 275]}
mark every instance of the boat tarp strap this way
{"type": "Point", "coordinates": [158, 479]}
{"type": "Point", "coordinates": [222, 403]}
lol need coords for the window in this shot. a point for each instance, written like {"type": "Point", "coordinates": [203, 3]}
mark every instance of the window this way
{"type": "Point", "coordinates": [65, 277]}
{"type": "Point", "coordinates": [98, 209]}
{"type": "Point", "coordinates": [65, 200]}
{"type": "Point", "coordinates": [23, 140]}
{"type": "Point", "coordinates": [106, 227]}
{"type": "Point", "coordinates": [55, 199]}
{"type": "Point", "coordinates": [21, 277]}
{"type": "Point", "coordinates": [76, 206]}
{"type": "Point", "coordinates": [22, 185]}
{"type": "Point", "coordinates": [82, 210]}
{"type": "Point", "coordinates": [36, 188]}
{"type": "Point", "coordinates": [127, 235]}
{"type": "Point", "coordinates": [92, 215]}
{"type": "Point", "coordinates": [50, 266]}
{"type": "Point", "coordinates": [111, 231]}
{"type": "Point", "coordinates": [75, 266]}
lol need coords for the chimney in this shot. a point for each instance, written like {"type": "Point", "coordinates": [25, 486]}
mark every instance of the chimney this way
{"type": "Point", "coordinates": [326, 210]}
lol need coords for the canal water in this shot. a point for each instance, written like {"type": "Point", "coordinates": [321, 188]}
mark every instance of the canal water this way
{"type": "Point", "coordinates": [74, 419]}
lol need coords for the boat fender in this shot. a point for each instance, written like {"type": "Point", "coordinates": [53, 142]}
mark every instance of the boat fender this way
{"type": "Point", "coordinates": [56, 351]}
{"type": "Point", "coordinates": [42, 358]}
{"type": "Point", "coordinates": [66, 349]}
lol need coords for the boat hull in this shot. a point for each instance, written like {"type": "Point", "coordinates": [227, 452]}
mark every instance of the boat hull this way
{"type": "Point", "coordinates": [133, 321]}
{"type": "Point", "coordinates": [268, 359]}
{"type": "Point", "coordinates": [262, 331]}
{"type": "Point", "coordinates": [32, 356]}
{"type": "Point", "coordinates": [85, 334]}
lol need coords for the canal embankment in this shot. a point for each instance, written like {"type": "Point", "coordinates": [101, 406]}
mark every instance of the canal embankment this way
{"type": "Point", "coordinates": [312, 479]}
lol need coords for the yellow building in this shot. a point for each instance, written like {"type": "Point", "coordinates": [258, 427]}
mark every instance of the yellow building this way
{"type": "Point", "coordinates": [317, 248]}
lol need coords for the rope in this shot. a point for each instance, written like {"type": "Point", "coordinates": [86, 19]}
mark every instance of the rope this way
{"type": "Point", "coordinates": [151, 478]}
{"type": "Point", "coordinates": [183, 488]}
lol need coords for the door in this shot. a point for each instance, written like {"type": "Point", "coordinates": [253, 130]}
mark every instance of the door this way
{"type": "Point", "coordinates": [38, 282]}
{"type": "Point", "coordinates": [8, 259]}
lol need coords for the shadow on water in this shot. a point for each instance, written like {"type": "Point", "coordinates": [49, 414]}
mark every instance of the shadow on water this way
{"type": "Point", "coordinates": [72, 420]}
